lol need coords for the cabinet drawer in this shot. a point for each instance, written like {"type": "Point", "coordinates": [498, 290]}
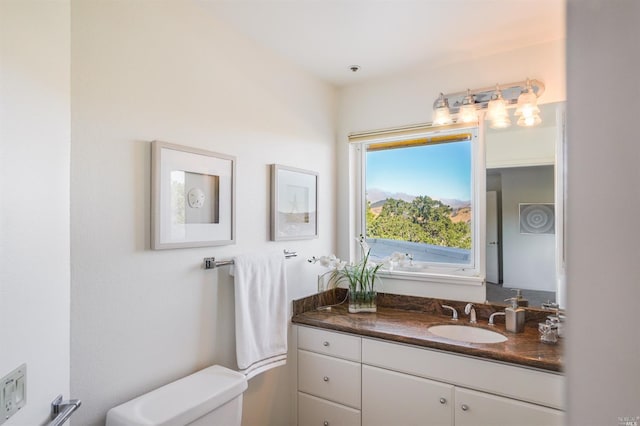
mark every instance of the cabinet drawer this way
{"type": "Point", "coordinates": [329, 343]}
{"type": "Point", "coordinates": [330, 378]}
{"type": "Point", "coordinates": [480, 409]}
{"type": "Point", "coordinates": [313, 411]}
{"type": "Point", "coordinates": [529, 385]}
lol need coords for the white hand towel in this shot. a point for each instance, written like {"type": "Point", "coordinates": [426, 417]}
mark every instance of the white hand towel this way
{"type": "Point", "coordinates": [261, 312]}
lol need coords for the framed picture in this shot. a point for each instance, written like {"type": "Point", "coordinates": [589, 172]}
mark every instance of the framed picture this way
{"type": "Point", "coordinates": [294, 203]}
{"type": "Point", "coordinates": [192, 197]}
{"type": "Point", "coordinates": [537, 218]}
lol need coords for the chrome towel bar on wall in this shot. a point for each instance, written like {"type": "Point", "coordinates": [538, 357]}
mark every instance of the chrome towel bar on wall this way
{"type": "Point", "coordinates": [212, 263]}
{"type": "Point", "coordinates": [62, 410]}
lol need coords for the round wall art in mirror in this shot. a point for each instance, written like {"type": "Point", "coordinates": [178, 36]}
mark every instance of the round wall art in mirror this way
{"type": "Point", "coordinates": [195, 198]}
{"type": "Point", "coordinates": [537, 219]}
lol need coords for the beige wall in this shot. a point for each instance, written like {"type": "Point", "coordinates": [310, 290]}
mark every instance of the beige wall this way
{"type": "Point", "coordinates": [167, 70]}
{"type": "Point", "coordinates": [34, 200]}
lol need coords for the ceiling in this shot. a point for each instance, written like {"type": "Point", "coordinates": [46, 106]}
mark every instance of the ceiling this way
{"type": "Point", "coordinates": [326, 37]}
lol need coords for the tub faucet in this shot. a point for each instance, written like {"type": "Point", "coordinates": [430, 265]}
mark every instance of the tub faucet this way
{"type": "Point", "coordinates": [455, 313]}
{"type": "Point", "coordinates": [471, 311]}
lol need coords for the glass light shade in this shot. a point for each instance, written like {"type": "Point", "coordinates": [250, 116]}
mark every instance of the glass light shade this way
{"type": "Point", "coordinates": [529, 121]}
{"type": "Point", "coordinates": [468, 114]}
{"type": "Point", "coordinates": [441, 116]}
{"type": "Point", "coordinates": [441, 113]}
{"type": "Point", "coordinates": [500, 122]}
{"type": "Point", "coordinates": [497, 108]}
{"type": "Point", "coordinates": [527, 104]}
{"type": "Point", "coordinates": [497, 111]}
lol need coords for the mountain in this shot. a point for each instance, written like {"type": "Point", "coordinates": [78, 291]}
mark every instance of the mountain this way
{"type": "Point", "coordinates": [377, 197]}
{"type": "Point", "coordinates": [455, 203]}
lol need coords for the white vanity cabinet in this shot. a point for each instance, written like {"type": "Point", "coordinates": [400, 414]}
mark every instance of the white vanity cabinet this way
{"type": "Point", "coordinates": [480, 392]}
{"type": "Point", "coordinates": [329, 378]}
{"type": "Point", "coordinates": [348, 380]}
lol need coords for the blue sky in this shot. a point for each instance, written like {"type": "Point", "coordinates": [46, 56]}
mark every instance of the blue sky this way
{"type": "Point", "coordinates": [439, 171]}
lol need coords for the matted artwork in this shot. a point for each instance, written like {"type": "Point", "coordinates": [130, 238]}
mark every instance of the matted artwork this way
{"type": "Point", "coordinates": [294, 203]}
{"type": "Point", "coordinates": [192, 197]}
{"type": "Point", "coordinates": [537, 218]}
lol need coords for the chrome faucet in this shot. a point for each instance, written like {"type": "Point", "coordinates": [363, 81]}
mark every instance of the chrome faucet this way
{"type": "Point", "coordinates": [471, 311]}
{"type": "Point", "coordinates": [455, 313]}
{"type": "Point", "coordinates": [493, 315]}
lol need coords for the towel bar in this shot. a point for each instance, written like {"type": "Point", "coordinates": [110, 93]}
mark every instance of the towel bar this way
{"type": "Point", "coordinates": [212, 263]}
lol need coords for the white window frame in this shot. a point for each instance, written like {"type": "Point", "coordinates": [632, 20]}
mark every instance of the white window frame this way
{"type": "Point", "coordinates": [431, 272]}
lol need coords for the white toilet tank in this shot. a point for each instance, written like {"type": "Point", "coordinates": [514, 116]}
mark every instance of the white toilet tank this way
{"type": "Point", "coordinates": [212, 396]}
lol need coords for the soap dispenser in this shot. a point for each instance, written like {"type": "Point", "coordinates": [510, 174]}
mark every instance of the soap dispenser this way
{"type": "Point", "coordinates": [514, 316]}
{"type": "Point", "coordinates": [520, 298]}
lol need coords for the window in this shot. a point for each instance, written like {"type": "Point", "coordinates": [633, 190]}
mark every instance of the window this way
{"type": "Point", "coordinates": [419, 200]}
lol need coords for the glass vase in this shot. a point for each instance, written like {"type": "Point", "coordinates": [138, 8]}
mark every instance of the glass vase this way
{"type": "Point", "coordinates": [362, 301]}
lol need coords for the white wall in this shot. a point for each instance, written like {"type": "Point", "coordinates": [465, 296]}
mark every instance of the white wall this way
{"type": "Point", "coordinates": [520, 146]}
{"type": "Point", "coordinates": [603, 175]}
{"type": "Point", "coordinates": [408, 99]}
{"type": "Point", "coordinates": [34, 200]}
{"type": "Point", "coordinates": [167, 70]}
{"type": "Point", "coordinates": [528, 259]}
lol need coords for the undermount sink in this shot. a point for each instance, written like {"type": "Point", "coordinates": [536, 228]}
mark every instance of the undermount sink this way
{"type": "Point", "coordinates": [467, 334]}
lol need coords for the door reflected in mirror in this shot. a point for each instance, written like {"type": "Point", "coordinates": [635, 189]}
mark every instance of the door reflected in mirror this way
{"type": "Point", "coordinates": [524, 225]}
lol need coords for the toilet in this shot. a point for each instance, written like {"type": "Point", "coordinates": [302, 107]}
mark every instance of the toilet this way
{"type": "Point", "coordinates": [212, 396]}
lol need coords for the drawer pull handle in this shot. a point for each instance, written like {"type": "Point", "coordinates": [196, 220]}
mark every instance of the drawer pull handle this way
{"type": "Point", "coordinates": [464, 407]}
{"type": "Point", "coordinates": [443, 401]}
{"type": "Point", "coordinates": [326, 423]}
{"type": "Point", "coordinates": [325, 343]}
{"type": "Point", "coordinates": [325, 378]}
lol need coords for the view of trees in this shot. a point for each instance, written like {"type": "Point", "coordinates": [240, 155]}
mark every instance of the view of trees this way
{"type": "Point", "coordinates": [423, 220]}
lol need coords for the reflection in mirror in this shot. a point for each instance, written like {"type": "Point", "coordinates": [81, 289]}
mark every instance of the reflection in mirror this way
{"type": "Point", "coordinates": [522, 228]}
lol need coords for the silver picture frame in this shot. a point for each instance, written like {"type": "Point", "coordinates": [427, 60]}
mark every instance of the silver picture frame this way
{"type": "Point", "coordinates": [192, 197]}
{"type": "Point", "coordinates": [294, 203]}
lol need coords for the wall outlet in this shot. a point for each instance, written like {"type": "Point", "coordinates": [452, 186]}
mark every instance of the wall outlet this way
{"type": "Point", "coordinates": [13, 392]}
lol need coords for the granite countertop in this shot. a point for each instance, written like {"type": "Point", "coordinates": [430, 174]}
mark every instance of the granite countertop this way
{"type": "Point", "coordinates": [405, 319]}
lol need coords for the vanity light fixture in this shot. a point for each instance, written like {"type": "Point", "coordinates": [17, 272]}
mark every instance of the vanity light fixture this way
{"type": "Point", "coordinates": [496, 100]}
{"type": "Point", "coordinates": [468, 113]}
{"type": "Point", "coordinates": [441, 113]}
{"type": "Point", "coordinates": [527, 108]}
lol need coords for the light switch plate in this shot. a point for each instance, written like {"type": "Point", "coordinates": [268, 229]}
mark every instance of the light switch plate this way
{"type": "Point", "coordinates": [13, 392]}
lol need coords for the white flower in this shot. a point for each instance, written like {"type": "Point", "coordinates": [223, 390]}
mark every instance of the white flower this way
{"type": "Point", "coordinates": [397, 257]}
{"type": "Point", "coordinates": [327, 260]}
{"type": "Point", "coordinates": [363, 244]}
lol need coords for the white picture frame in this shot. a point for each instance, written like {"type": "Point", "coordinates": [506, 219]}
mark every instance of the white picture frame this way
{"type": "Point", "coordinates": [294, 203]}
{"type": "Point", "coordinates": [192, 197]}
{"type": "Point", "coordinates": [537, 218]}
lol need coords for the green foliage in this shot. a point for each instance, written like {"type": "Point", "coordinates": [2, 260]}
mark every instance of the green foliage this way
{"type": "Point", "coordinates": [423, 220]}
{"type": "Point", "coordinates": [360, 276]}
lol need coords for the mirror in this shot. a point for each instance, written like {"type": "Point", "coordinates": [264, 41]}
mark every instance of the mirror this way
{"type": "Point", "coordinates": [524, 215]}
